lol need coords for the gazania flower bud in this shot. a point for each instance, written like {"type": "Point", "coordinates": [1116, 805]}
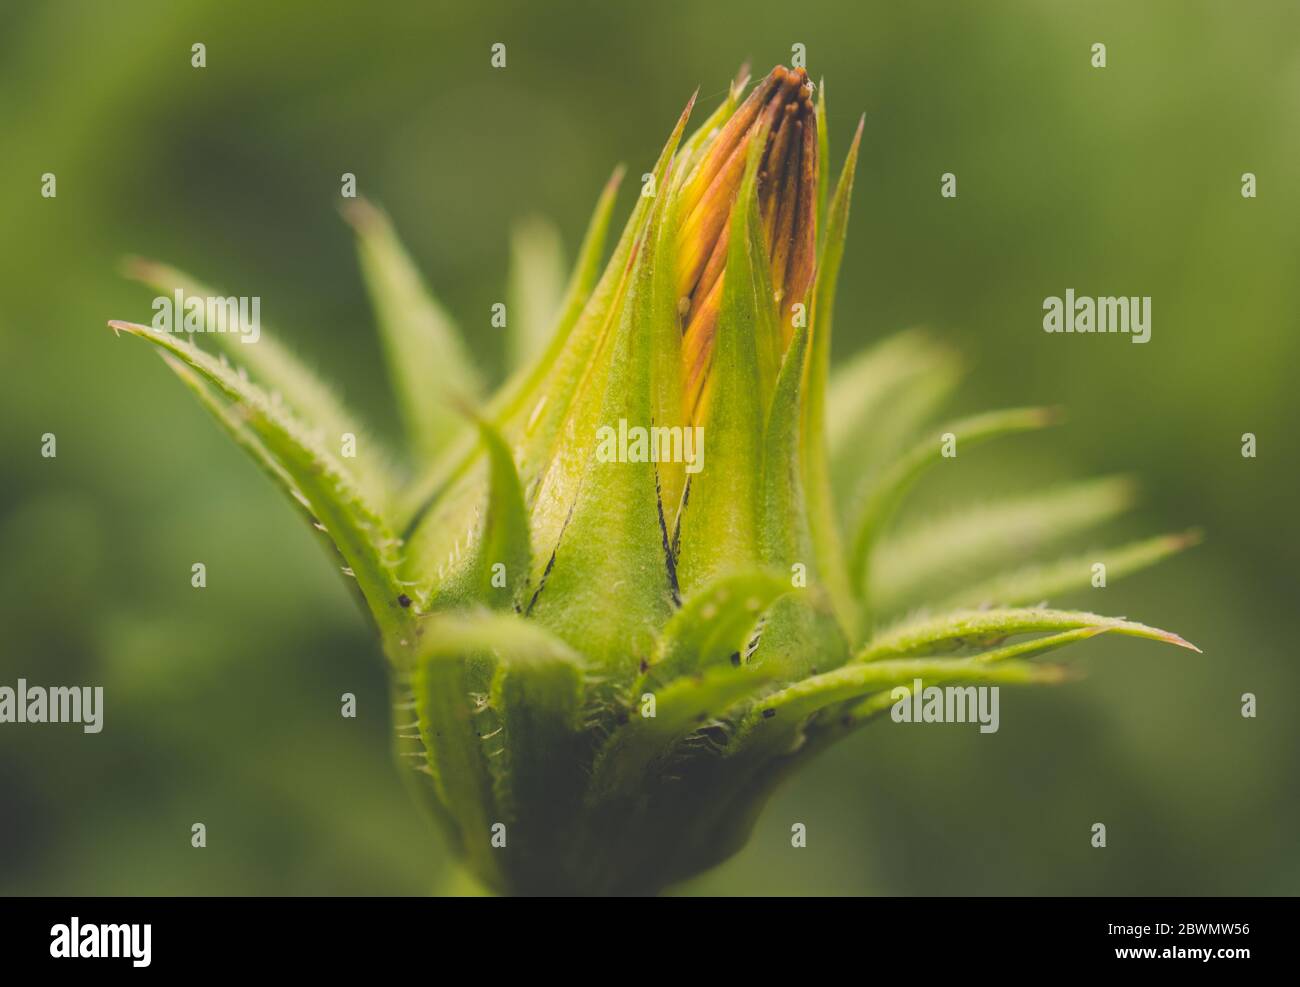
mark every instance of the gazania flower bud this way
{"type": "Point", "coordinates": [615, 598]}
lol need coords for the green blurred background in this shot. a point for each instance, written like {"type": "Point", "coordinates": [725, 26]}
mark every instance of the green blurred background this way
{"type": "Point", "coordinates": [222, 705]}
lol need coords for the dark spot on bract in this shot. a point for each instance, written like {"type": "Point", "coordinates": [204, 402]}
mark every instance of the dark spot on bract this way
{"type": "Point", "coordinates": [404, 600]}
{"type": "Point", "coordinates": [735, 658]}
{"type": "Point", "coordinates": [644, 665]}
{"type": "Point", "coordinates": [768, 714]}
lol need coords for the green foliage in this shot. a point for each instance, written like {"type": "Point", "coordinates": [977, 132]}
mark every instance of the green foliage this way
{"type": "Point", "coordinates": [535, 290]}
{"type": "Point", "coordinates": [428, 363]}
{"type": "Point", "coordinates": [966, 628]}
{"type": "Point", "coordinates": [309, 473]}
{"type": "Point", "coordinates": [929, 557]}
{"type": "Point", "coordinates": [884, 496]}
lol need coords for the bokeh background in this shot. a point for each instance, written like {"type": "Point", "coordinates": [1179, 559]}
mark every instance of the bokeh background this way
{"type": "Point", "coordinates": [223, 704]}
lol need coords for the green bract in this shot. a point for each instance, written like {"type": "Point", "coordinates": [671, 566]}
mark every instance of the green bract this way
{"type": "Point", "coordinates": [603, 664]}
